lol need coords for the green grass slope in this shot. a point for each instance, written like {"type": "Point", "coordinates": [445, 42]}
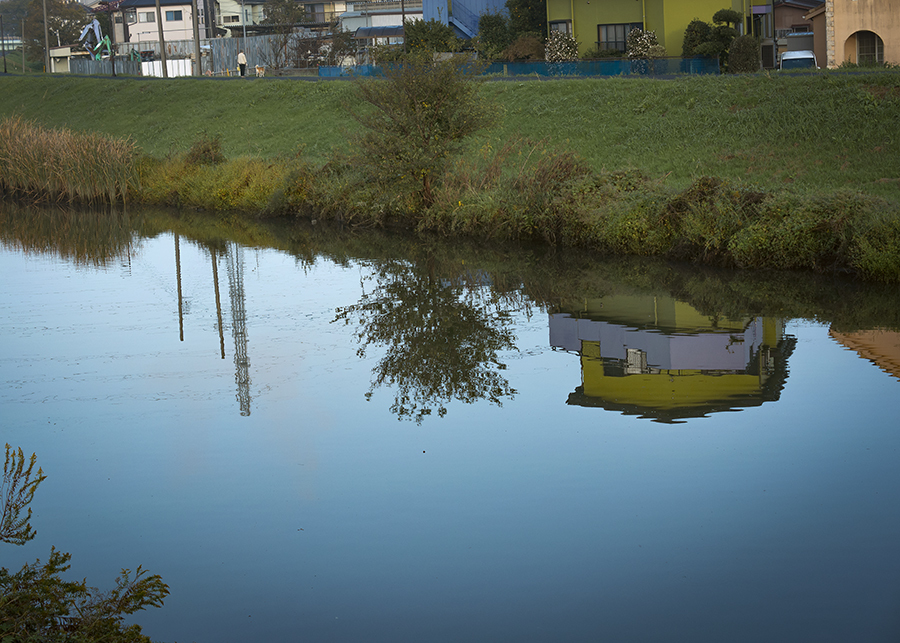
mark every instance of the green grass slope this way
{"type": "Point", "coordinates": [819, 132]}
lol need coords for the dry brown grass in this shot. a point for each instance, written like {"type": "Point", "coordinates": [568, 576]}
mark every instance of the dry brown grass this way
{"type": "Point", "coordinates": [64, 166]}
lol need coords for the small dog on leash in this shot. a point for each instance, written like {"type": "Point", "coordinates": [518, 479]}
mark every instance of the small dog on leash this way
{"type": "Point", "coordinates": [260, 71]}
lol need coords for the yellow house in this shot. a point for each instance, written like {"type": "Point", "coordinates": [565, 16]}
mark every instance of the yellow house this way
{"type": "Point", "coordinates": [857, 31]}
{"type": "Point", "coordinates": [604, 24]}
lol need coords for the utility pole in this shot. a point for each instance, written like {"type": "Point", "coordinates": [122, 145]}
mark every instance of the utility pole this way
{"type": "Point", "coordinates": [162, 41]}
{"type": "Point", "coordinates": [112, 39]}
{"type": "Point", "coordinates": [46, 41]}
{"type": "Point", "coordinates": [243, 18]}
{"type": "Point", "coordinates": [23, 45]}
{"type": "Point", "coordinates": [3, 41]}
{"type": "Point", "coordinates": [195, 19]}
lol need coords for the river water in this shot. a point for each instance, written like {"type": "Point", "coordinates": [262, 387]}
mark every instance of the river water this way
{"type": "Point", "coordinates": [312, 434]}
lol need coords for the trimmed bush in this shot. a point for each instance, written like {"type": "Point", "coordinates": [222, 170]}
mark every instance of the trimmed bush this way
{"type": "Point", "coordinates": [744, 55]}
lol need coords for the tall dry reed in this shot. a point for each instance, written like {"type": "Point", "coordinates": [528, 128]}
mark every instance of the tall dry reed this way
{"type": "Point", "coordinates": [64, 166]}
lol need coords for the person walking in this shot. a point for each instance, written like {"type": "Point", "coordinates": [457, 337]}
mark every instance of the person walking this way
{"type": "Point", "coordinates": [242, 62]}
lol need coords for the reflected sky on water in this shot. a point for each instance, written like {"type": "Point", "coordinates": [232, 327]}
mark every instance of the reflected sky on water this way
{"type": "Point", "coordinates": [297, 487]}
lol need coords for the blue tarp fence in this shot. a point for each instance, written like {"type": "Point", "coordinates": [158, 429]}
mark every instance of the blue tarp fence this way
{"type": "Point", "coordinates": [608, 67]}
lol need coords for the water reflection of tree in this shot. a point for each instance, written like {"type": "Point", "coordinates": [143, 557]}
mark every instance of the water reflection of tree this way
{"type": "Point", "coordinates": [443, 336]}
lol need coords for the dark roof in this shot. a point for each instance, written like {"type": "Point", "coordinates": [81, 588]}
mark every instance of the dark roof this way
{"type": "Point", "coordinates": [379, 32]}
{"type": "Point", "coordinates": [130, 4]}
{"type": "Point", "coordinates": [798, 4]}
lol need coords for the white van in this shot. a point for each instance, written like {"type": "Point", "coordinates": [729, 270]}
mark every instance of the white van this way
{"type": "Point", "coordinates": [804, 59]}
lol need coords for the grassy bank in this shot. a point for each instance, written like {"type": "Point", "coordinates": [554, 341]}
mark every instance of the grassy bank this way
{"type": "Point", "coordinates": [763, 171]}
{"type": "Point", "coordinates": [816, 131]}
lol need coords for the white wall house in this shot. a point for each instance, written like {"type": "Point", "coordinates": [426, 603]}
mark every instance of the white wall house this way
{"type": "Point", "coordinates": [233, 16]}
{"type": "Point", "coordinates": [136, 21]}
{"type": "Point", "coordinates": [380, 13]}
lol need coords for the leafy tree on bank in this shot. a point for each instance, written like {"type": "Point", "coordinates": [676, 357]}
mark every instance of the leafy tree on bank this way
{"type": "Point", "coordinates": [386, 54]}
{"type": "Point", "coordinates": [283, 16]}
{"type": "Point", "coordinates": [13, 14]}
{"type": "Point", "coordinates": [427, 37]}
{"type": "Point", "coordinates": [717, 40]}
{"type": "Point", "coordinates": [415, 120]}
{"type": "Point", "coordinates": [421, 39]}
{"type": "Point", "coordinates": [36, 604]}
{"type": "Point", "coordinates": [65, 20]}
{"type": "Point", "coordinates": [516, 36]}
{"type": "Point", "coordinates": [340, 47]}
{"type": "Point", "coordinates": [283, 13]}
{"type": "Point", "coordinates": [494, 35]}
{"type": "Point", "coordinates": [527, 16]}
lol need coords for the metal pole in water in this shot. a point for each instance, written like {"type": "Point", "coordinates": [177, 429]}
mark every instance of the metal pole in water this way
{"type": "Point", "coordinates": [178, 278]}
{"type": "Point", "coordinates": [212, 252]}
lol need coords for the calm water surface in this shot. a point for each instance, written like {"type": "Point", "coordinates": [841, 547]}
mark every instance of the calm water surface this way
{"type": "Point", "coordinates": [361, 439]}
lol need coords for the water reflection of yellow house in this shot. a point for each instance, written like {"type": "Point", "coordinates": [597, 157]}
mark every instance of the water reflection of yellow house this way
{"type": "Point", "coordinates": [882, 347]}
{"type": "Point", "coordinates": [662, 359]}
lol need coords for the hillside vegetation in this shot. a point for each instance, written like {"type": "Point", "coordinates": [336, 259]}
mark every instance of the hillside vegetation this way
{"type": "Point", "coordinates": [756, 171]}
{"type": "Point", "coordinates": [822, 131]}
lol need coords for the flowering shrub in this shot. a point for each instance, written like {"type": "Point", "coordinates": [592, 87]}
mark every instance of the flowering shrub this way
{"type": "Point", "coordinates": [643, 44]}
{"type": "Point", "coordinates": [561, 47]}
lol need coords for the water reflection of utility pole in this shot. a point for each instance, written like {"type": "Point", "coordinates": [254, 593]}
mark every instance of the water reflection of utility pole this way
{"type": "Point", "coordinates": [178, 276]}
{"type": "Point", "coordinates": [235, 266]}
{"type": "Point", "coordinates": [212, 252]}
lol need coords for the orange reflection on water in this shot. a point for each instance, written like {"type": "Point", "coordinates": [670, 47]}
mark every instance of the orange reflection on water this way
{"type": "Point", "coordinates": [879, 346]}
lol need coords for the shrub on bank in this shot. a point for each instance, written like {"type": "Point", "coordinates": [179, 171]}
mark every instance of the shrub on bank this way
{"type": "Point", "coordinates": [526, 191]}
{"type": "Point", "coordinates": [875, 249]}
{"type": "Point", "coordinates": [245, 184]}
{"type": "Point", "coordinates": [513, 192]}
{"type": "Point", "coordinates": [843, 232]}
